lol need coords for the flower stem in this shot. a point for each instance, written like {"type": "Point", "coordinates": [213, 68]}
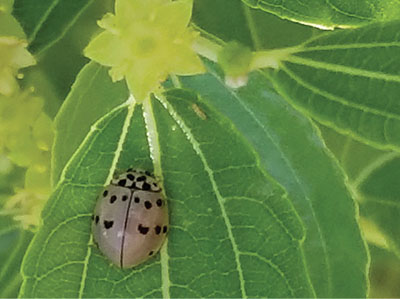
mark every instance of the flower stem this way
{"type": "Point", "coordinates": [260, 59]}
{"type": "Point", "coordinates": [206, 48]}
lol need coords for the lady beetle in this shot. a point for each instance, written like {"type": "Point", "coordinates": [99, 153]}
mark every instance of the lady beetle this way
{"type": "Point", "coordinates": [130, 221]}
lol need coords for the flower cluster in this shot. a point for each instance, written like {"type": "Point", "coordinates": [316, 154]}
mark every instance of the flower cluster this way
{"type": "Point", "coordinates": [26, 137]}
{"type": "Point", "coordinates": [26, 132]}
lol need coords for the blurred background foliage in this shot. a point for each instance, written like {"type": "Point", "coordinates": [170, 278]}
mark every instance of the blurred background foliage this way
{"type": "Point", "coordinates": [25, 166]}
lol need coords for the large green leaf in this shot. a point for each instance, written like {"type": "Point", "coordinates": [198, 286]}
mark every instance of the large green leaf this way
{"type": "Point", "coordinates": [291, 150]}
{"type": "Point", "coordinates": [330, 14]}
{"type": "Point", "coordinates": [46, 21]}
{"type": "Point", "coordinates": [348, 80]}
{"type": "Point", "coordinates": [232, 227]}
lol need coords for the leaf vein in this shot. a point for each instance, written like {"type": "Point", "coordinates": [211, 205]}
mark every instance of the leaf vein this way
{"type": "Point", "coordinates": [343, 69]}
{"type": "Point", "coordinates": [347, 47]}
{"type": "Point", "coordinates": [273, 266]}
{"type": "Point", "coordinates": [337, 99]}
{"type": "Point", "coordinates": [42, 20]}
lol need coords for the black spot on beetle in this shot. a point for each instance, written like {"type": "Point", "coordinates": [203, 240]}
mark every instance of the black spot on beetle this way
{"type": "Point", "coordinates": [159, 202]}
{"type": "Point", "coordinates": [130, 176]}
{"type": "Point", "coordinates": [97, 219]}
{"type": "Point", "coordinates": [158, 229]}
{"type": "Point", "coordinates": [141, 178]}
{"type": "Point", "coordinates": [151, 252]}
{"type": "Point", "coordinates": [108, 224]}
{"type": "Point", "coordinates": [137, 199]}
{"type": "Point", "coordinates": [143, 230]}
{"type": "Point", "coordinates": [148, 204]}
{"type": "Point", "coordinates": [113, 199]}
{"type": "Point", "coordinates": [124, 198]}
{"type": "Point", "coordinates": [105, 193]}
{"type": "Point", "coordinates": [146, 186]}
{"type": "Point", "coordinates": [164, 230]}
{"type": "Point", "coordinates": [122, 183]}
{"type": "Point", "coordinates": [155, 184]}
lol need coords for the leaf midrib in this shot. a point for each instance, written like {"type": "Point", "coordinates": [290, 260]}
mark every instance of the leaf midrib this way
{"type": "Point", "coordinates": [306, 48]}
{"type": "Point", "coordinates": [343, 69]}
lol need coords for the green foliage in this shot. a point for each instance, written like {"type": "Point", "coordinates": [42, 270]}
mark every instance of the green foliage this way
{"type": "Point", "coordinates": [277, 132]}
{"type": "Point", "coordinates": [374, 181]}
{"type": "Point", "coordinates": [337, 79]}
{"type": "Point", "coordinates": [45, 22]}
{"type": "Point", "coordinates": [330, 14]}
{"type": "Point", "coordinates": [211, 219]}
{"type": "Point", "coordinates": [266, 197]}
{"type": "Point", "coordinates": [81, 110]}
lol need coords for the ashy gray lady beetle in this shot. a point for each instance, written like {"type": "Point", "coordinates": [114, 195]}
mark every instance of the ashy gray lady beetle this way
{"type": "Point", "coordinates": [130, 221]}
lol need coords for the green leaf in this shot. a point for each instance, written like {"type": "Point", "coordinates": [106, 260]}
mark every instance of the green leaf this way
{"type": "Point", "coordinates": [223, 18]}
{"type": "Point", "coordinates": [13, 244]}
{"type": "Point", "coordinates": [348, 80]}
{"type": "Point", "coordinates": [232, 227]}
{"type": "Point", "coordinates": [378, 188]}
{"type": "Point", "coordinates": [330, 14]}
{"type": "Point", "coordinates": [92, 96]}
{"type": "Point", "coordinates": [232, 20]}
{"type": "Point", "coordinates": [372, 176]}
{"type": "Point", "coordinates": [46, 21]}
{"type": "Point", "coordinates": [291, 150]}
{"type": "Point", "coordinates": [352, 155]}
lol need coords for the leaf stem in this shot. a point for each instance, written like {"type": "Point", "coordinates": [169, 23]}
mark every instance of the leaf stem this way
{"type": "Point", "coordinates": [261, 59]}
{"type": "Point", "coordinates": [270, 58]}
{"type": "Point", "coordinates": [206, 48]}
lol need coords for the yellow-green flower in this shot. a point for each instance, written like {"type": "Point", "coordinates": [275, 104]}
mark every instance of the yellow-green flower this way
{"type": "Point", "coordinates": [13, 53]}
{"type": "Point", "coordinates": [145, 41]}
